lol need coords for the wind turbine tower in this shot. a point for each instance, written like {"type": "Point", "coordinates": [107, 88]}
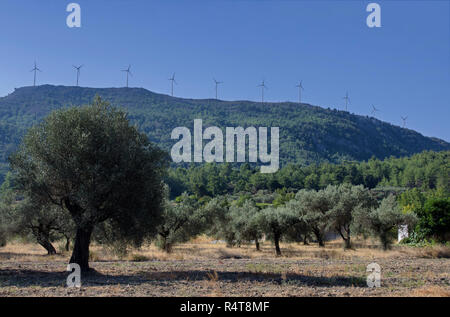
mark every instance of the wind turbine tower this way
{"type": "Point", "coordinates": [300, 88]}
{"type": "Point", "coordinates": [128, 72]}
{"type": "Point", "coordinates": [347, 100]}
{"type": "Point", "coordinates": [35, 69]}
{"type": "Point", "coordinates": [263, 86]}
{"type": "Point", "coordinates": [78, 72]}
{"type": "Point", "coordinates": [404, 121]}
{"type": "Point", "coordinates": [217, 84]}
{"type": "Point", "coordinates": [172, 79]}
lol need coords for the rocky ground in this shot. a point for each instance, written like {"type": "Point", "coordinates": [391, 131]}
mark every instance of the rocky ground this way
{"type": "Point", "coordinates": [214, 270]}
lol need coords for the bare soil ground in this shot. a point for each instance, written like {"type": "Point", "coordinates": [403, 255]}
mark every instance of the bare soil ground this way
{"type": "Point", "coordinates": [203, 268]}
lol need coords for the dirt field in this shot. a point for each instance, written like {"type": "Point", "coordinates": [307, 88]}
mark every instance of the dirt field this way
{"type": "Point", "coordinates": [204, 268]}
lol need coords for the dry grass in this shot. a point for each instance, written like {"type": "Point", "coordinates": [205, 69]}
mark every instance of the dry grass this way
{"type": "Point", "coordinates": [434, 252]}
{"type": "Point", "coordinates": [203, 248]}
{"type": "Point", "coordinates": [431, 291]}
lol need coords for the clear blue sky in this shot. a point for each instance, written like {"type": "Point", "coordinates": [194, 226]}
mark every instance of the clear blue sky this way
{"type": "Point", "coordinates": [403, 68]}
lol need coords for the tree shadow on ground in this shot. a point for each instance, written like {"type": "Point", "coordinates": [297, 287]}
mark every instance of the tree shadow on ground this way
{"type": "Point", "coordinates": [26, 278]}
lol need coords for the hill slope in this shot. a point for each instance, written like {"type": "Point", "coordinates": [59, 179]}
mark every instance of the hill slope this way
{"type": "Point", "coordinates": [307, 133]}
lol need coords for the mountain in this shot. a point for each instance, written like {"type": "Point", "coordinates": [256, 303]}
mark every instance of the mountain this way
{"type": "Point", "coordinates": [308, 134]}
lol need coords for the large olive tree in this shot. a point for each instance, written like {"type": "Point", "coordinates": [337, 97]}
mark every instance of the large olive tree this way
{"type": "Point", "coordinates": [92, 162]}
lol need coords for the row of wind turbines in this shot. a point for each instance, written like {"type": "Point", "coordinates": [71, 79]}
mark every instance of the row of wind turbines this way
{"type": "Point", "coordinates": [262, 85]}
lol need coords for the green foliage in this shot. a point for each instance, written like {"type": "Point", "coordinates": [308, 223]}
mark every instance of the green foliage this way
{"type": "Point", "coordinates": [435, 218]}
{"type": "Point", "coordinates": [424, 171]}
{"type": "Point", "coordinates": [283, 196]}
{"type": "Point", "coordinates": [433, 212]}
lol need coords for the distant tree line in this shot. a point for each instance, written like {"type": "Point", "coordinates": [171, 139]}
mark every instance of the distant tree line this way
{"type": "Point", "coordinates": [426, 170]}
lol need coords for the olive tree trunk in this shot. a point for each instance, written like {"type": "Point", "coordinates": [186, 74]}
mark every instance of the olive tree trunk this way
{"type": "Point", "coordinates": [42, 236]}
{"type": "Point", "coordinates": [47, 245]}
{"type": "Point", "coordinates": [276, 239]}
{"type": "Point", "coordinates": [257, 244]}
{"type": "Point", "coordinates": [319, 237]}
{"type": "Point", "coordinates": [80, 253]}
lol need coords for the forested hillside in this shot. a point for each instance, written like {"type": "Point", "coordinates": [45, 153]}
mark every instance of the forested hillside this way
{"type": "Point", "coordinates": [308, 134]}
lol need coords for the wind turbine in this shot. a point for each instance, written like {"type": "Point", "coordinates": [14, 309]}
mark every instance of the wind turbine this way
{"type": "Point", "coordinates": [300, 88]}
{"type": "Point", "coordinates": [374, 110]}
{"type": "Point", "coordinates": [128, 72]}
{"type": "Point", "coordinates": [217, 83]}
{"type": "Point", "coordinates": [78, 71]}
{"type": "Point", "coordinates": [347, 100]}
{"type": "Point", "coordinates": [35, 68]}
{"type": "Point", "coordinates": [172, 79]}
{"type": "Point", "coordinates": [263, 86]}
{"type": "Point", "coordinates": [404, 121]}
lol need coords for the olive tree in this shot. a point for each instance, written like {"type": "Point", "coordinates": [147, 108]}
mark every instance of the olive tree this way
{"type": "Point", "coordinates": [180, 221]}
{"type": "Point", "coordinates": [381, 220]}
{"type": "Point", "coordinates": [45, 223]}
{"type": "Point", "coordinates": [300, 231]}
{"type": "Point", "coordinates": [244, 223]}
{"type": "Point", "coordinates": [313, 208]}
{"type": "Point", "coordinates": [22, 216]}
{"type": "Point", "coordinates": [219, 220]}
{"type": "Point", "coordinates": [92, 162]}
{"type": "Point", "coordinates": [347, 199]}
{"type": "Point", "coordinates": [274, 222]}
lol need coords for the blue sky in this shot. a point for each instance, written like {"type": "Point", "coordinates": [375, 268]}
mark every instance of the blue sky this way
{"type": "Point", "coordinates": [403, 68]}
